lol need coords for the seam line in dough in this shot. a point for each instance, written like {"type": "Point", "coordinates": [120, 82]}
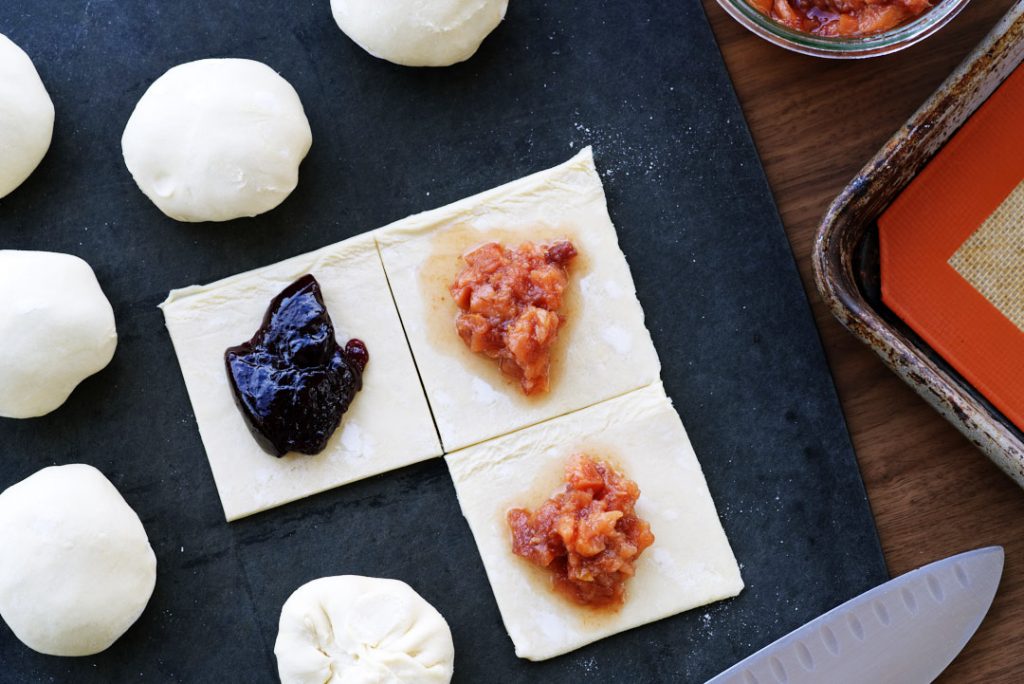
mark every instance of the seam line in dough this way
{"type": "Point", "coordinates": [405, 334]}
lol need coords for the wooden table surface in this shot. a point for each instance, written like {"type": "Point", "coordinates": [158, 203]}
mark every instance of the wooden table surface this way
{"type": "Point", "coordinates": [816, 122]}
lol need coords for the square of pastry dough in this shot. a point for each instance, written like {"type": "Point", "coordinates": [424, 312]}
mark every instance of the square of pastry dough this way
{"type": "Point", "coordinates": [602, 351]}
{"type": "Point", "coordinates": [388, 424]}
{"type": "Point", "coordinates": [690, 563]}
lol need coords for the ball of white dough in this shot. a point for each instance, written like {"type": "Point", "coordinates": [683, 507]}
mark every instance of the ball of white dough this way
{"type": "Point", "coordinates": [77, 569]}
{"type": "Point", "coordinates": [417, 33]}
{"type": "Point", "coordinates": [217, 139]}
{"type": "Point", "coordinates": [336, 630]}
{"type": "Point", "coordinates": [26, 117]}
{"type": "Point", "coordinates": [57, 328]}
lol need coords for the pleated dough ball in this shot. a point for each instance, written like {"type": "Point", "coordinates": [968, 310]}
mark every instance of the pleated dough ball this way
{"type": "Point", "coordinates": [418, 32]}
{"type": "Point", "coordinates": [77, 569]}
{"type": "Point", "coordinates": [56, 326]}
{"type": "Point", "coordinates": [217, 139]}
{"type": "Point", "coordinates": [337, 630]}
{"type": "Point", "coordinates": [26, 117]}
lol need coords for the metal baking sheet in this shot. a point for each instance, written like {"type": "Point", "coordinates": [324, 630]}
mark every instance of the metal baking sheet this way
{"type": "Point", "coordinates": [846, 257]}
{"type": "Point", "coordinates": [643, 82]}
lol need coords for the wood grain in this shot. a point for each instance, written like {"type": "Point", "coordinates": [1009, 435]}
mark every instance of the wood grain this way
{"type": "Point", "coordinates": [815, 123]}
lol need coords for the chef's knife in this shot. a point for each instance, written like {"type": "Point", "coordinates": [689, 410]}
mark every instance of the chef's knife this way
{"type": "Point", "coordinates": [905, 631]}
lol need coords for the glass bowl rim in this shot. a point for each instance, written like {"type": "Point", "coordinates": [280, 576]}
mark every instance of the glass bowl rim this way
{"type": "Point", "coordinates": [886, 42]}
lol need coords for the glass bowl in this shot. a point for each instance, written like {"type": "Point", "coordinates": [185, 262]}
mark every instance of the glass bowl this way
{"type": "Point", "coordinates": [884, 43]}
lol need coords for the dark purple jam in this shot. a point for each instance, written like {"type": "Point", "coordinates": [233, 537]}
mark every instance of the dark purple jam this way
{"type": "Point", "coordinates": [292, 380]}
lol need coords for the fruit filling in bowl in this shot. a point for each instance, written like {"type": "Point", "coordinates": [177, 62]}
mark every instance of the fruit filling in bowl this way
{"type": "Point", "coordinates": [842, 18]}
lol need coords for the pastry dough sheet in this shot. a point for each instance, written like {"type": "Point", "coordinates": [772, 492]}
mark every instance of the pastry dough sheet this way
{"type": "Point", "coordinates": [604, 349]}
{"type": "Point", "coordinates": [388, 424]}
{"type": "Point", "coordinates": [690, 563]}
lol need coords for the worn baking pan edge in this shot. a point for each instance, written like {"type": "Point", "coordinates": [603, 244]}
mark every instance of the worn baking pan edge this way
{"type": "Point", "coordinates": [856, 210]}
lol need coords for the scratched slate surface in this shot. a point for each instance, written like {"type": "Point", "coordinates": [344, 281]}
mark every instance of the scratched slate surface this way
{"type": "Point", "coordinates": [641, 80]}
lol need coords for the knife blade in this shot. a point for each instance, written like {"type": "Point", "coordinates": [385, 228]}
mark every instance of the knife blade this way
{"type": "Point", "coordinates": [906, 631]}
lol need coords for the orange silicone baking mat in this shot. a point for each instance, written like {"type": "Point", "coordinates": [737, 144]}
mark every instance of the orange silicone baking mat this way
{"type": "Point", "coordinates": [952, 251]}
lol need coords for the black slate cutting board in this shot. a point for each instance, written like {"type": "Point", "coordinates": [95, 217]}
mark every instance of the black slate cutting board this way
{"type": "Point", "coordinates": [640, 80]}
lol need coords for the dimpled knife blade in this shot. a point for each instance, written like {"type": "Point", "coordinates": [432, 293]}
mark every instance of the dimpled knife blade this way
{"type": "Point", "coordinates": [905, 631]}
